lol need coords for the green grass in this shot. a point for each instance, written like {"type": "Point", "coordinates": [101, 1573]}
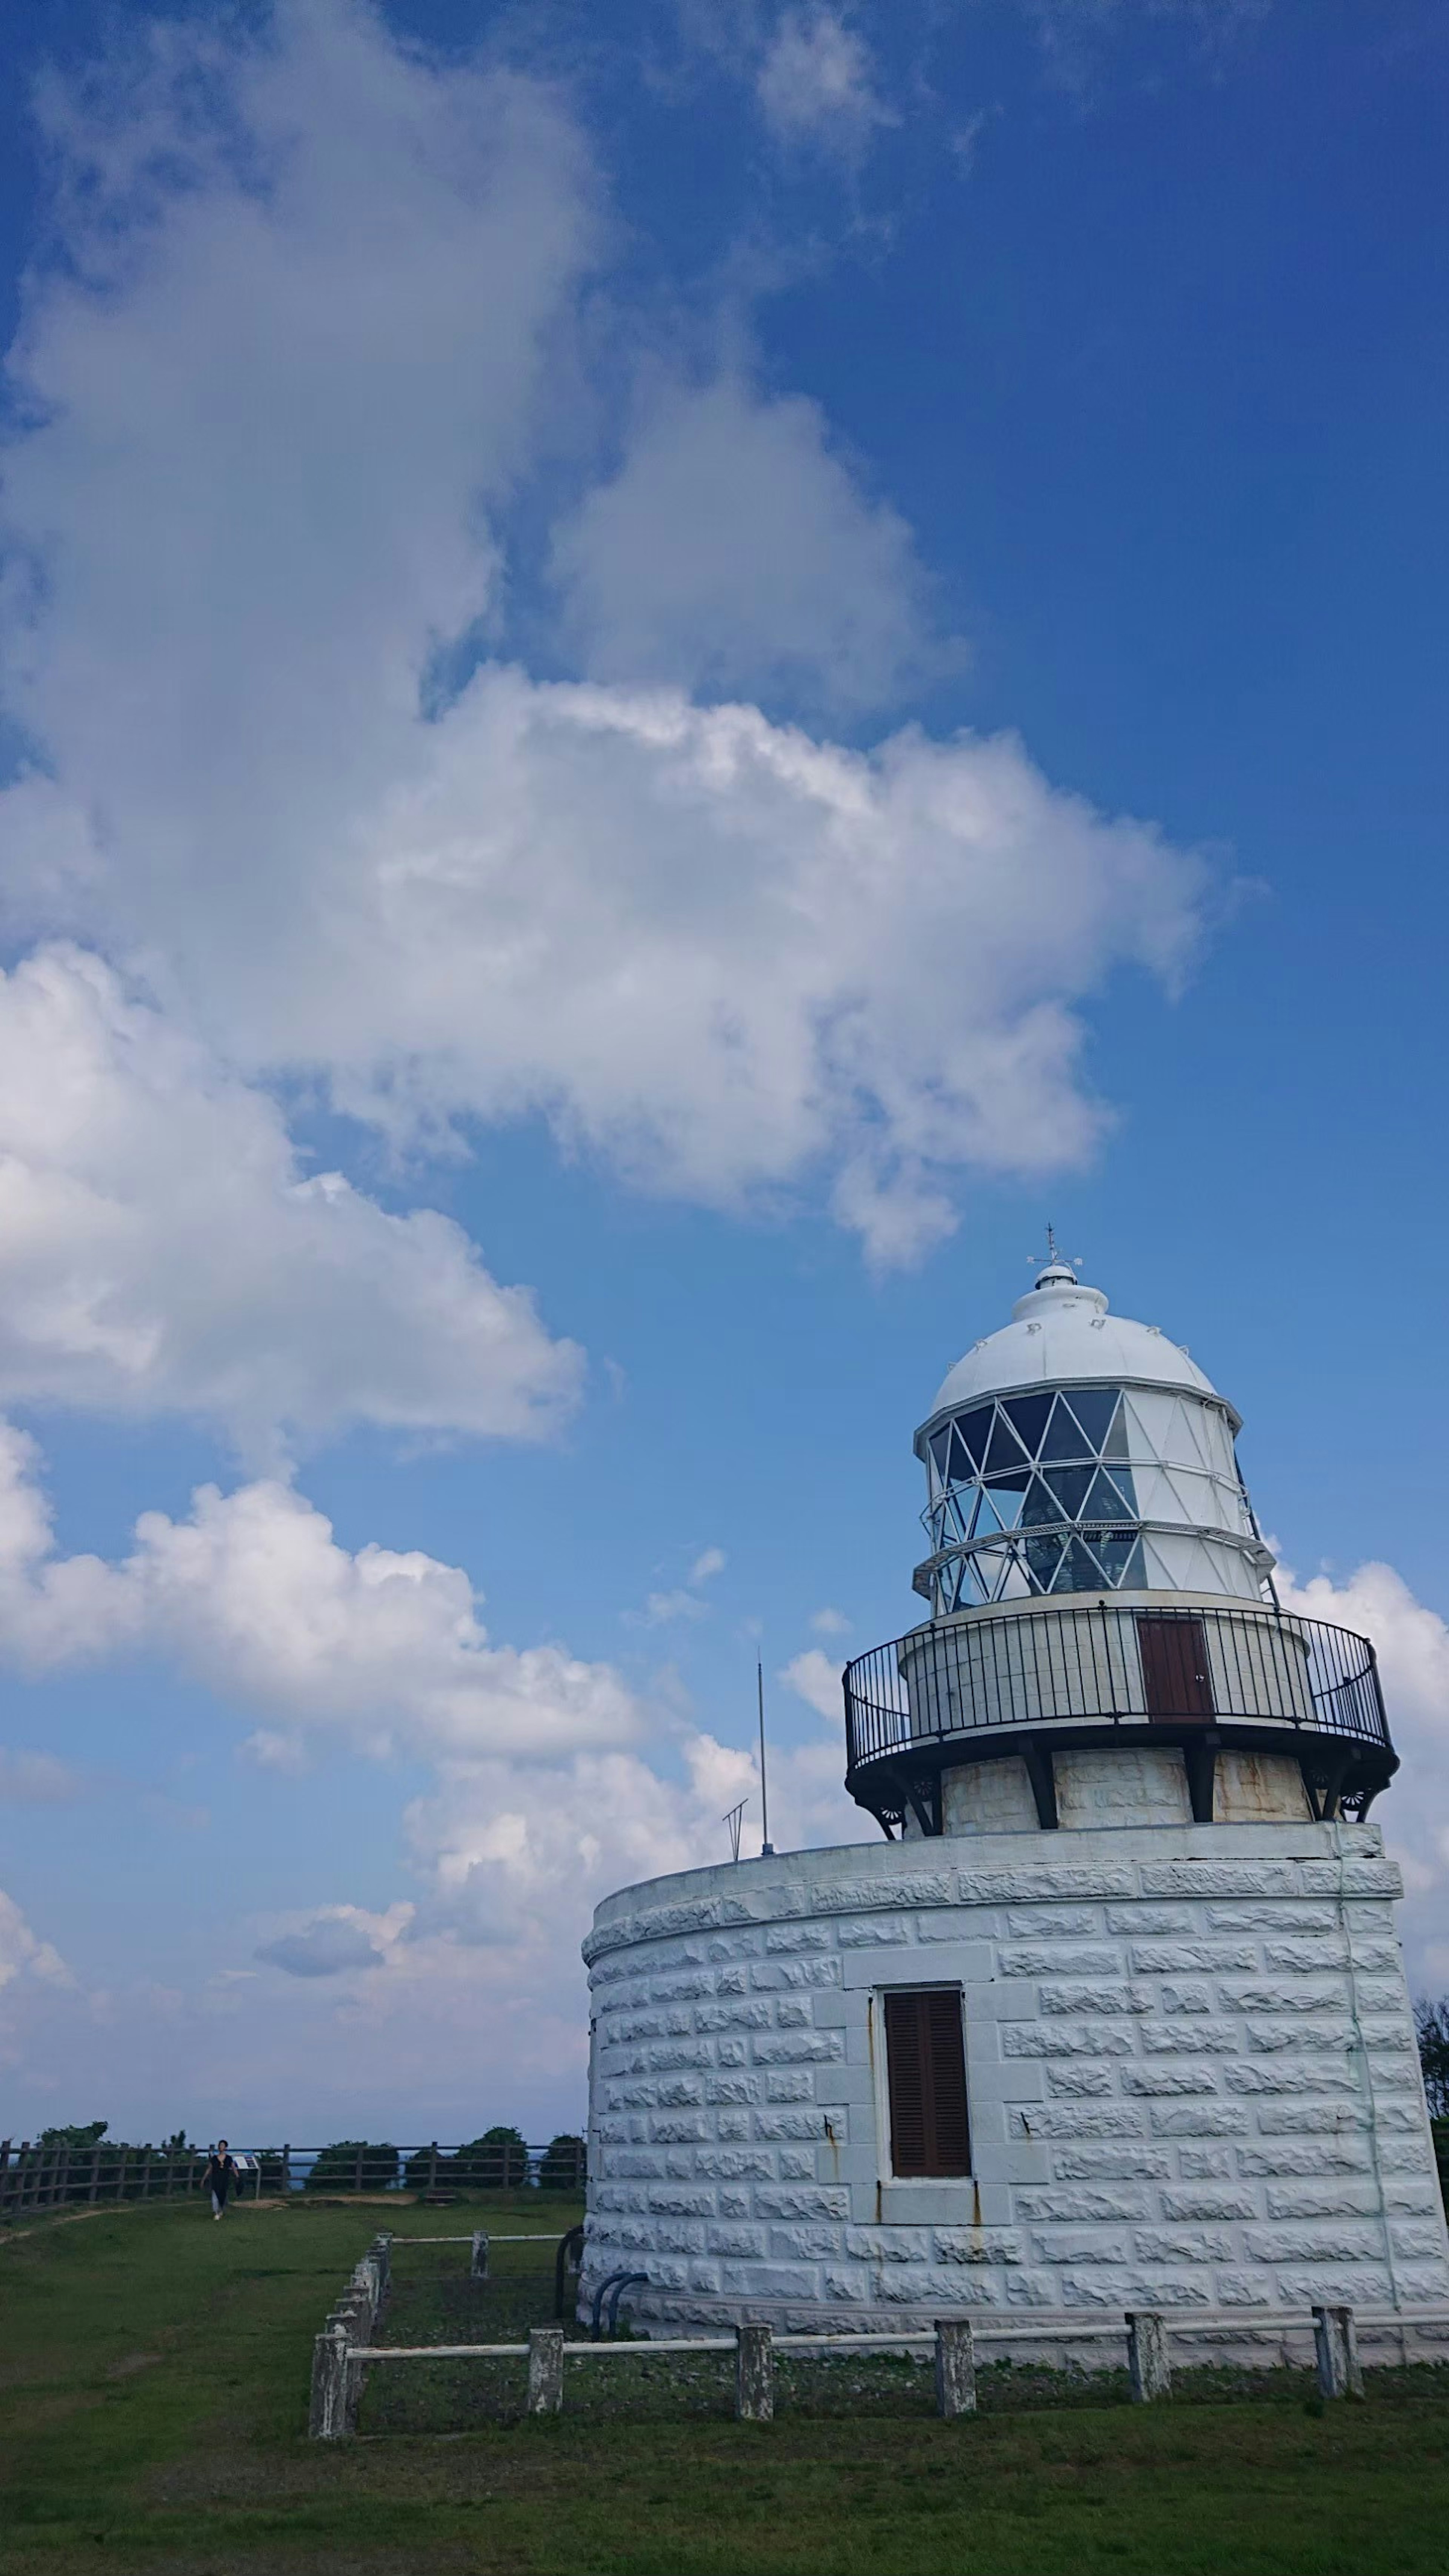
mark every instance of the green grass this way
{"type": "Point", "coordinates": [153, 2384]}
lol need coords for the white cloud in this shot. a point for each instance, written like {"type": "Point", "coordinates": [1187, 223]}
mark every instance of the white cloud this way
{"type": "Point", "coordinates": [279, 412]}
{"type": "Point", "coordinates": [30, 1779]}
{"type": "Point", "coordinates": [707, 1565]}
{"type": "Point", "coordinates": [1412, 1643]}
{"type": "Point", "coordinates": [661, 1607]}
{"type": "Point", "coordinates": [335, 1940]}
{"type": "Point", "coordinates": [815, 1679]}
{"type": "Point", "coordinates": [815, 83]}
{"type": "Point", "coordinates": [253, 1595]}
{"type": "Point", "coordinates": [734, 551]}
{"type": "Point", "coordinates": [22, 1953]}
{"type": "Point", "coordinates": [830, 1623]}
{"type": "Point", "coordinates": [161, 1251]}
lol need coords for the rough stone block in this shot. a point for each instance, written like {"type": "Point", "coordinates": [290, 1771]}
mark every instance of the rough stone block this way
{"type": "Point", "coordinates": [1122, 2161]}
{"type": "Point", "coordinates": [975, 2245]}
{"type": "Point", "coordinates": [1208, 1878]}
{"type": "Point", "coordinates": [804, 2241]}
{"type": "Point", "coordinates": [748, 2244]}
{"type": "Point", "coordinates": [1178, 1996]}
{"type": "Point", "coordinates": [1077, 2120]}
{"type": "Point", "coordinates": [736, 2012]}
{"type": "Point", "coordinates": [1190, 1958]}
{"type": "Point", "coordinates": [1311, 2156]}
{"type": "Point", "coordinates": [1054, 1923]}
{"type": "Point", "coordinates": [1208, 2201]}
{"type": "Point", "coordinates": [1098, 1996]}
{"type": "Point", "coordinates": [1064, 2039]}
{"type": "Point", "coordinates": [793, 2012]}
{"type": "Point", "coordinates": [732, 2089]}
{"type": "Point", "coordinates": [1078, 2079]}
{"type": "Point", "coordinates": [1060, 2248]}
{"type": "Point", "coordinates": [737, 2164]}
{"type": "Point", "coordinates": [801, 2200]}
{"type": "Point", "coordinates": [797, 2122]}
{"type": "Point", "coordinates": [798, 2047]}
{"type": "Point", "coordinates": [1193, 2038]}
{"type": "Point", "coordinates": [797, 2164]}
{"type": "Point", "coordinates": [1343, 2197]}
{"type": "Point", "coordinates": [791, 1937]}
{"type": "Point", "coordinates": [1204, 2164]}
{"type": "Point", "coordinates": [1168, 2079]}
{"type": "Point", "coordinates": [1331, 2242]}
{"type": "Point", "coordinates": [1293, 2078]}
{"type": "Point", "coordinates": [1283, 1995]}
{"type": "Point", "coordinates": [1321, 2032]}
{"type": "Point", "coordinates": [1415, 2238]}
{"type": "Point", "coordinates": [881, 1932]}
{"type": "Point", "coordinates": [1182, 2244]}
{"type": "Point", "coordinates": [1334, 2118]}
{"type": "Point", "coordinates": [1081, 2207]}
{"type": "Point", "coordinates": [1351, 2284]}
{"type": "Point", "coordinates": [1142, 1920]}
{"type": "Point", "coordinates": [776, 1975]}
{"type": "Point", "coordinates": [792, 2084]}
{"type": "Point", "coordinates": [1061, 1958]}
{"type": "Point", "coordinates": [1291, 1917]}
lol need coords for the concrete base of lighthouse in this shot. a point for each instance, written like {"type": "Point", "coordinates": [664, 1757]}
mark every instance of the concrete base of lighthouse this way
{"type": "Point", "coordinates": [1191, 2074]}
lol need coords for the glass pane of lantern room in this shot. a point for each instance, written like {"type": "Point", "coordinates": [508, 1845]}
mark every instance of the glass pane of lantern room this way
{"type": "Point", "coordinates": [1065, 1437]}
{"type": "Point", "coordinates": [1094, 1407]}
{"type": "Point", "coordinates": [1004, 1450]}
{"type": "Point", "coordinates": [974, 1430]}
{"type": "Point", "coordinates": [1027, 1414]}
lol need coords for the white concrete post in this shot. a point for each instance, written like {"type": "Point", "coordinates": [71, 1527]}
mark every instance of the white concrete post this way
{"type": "Point", "coordinates": [754, 2375]}
{"type": "Point", "coordinates": [478, 2267]}
{"type": "Point", "coordinates": [1336, 2338]}
{"type": "Point", "coordinates": [1147, 2356]}
{"type": "Point", "coordinates": [545, 2370]}
{"type": "Point", "coordinates": [327, 2412]}
{"type": "Point", "coordinates": [955, 2367]}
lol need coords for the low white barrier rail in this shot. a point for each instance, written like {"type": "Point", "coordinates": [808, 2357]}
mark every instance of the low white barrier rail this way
{"type": "Point", "coordinates": [338, 2363]}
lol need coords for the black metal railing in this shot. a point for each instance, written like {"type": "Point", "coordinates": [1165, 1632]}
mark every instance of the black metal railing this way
{"type": "Point", "coordinates": [1101, 1665]}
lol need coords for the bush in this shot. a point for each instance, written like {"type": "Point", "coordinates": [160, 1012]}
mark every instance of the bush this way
{"type": "Point", "coordinates": [498, 2161]}
{"type": "Point", "coordinates": [336, 2168]}
{"type": "Point", "coordinates": [562, 2168]}
{"type": "Point", "coordinates": [1431, 2022]}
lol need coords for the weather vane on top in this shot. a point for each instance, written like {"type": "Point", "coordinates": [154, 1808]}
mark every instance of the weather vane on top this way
{"type": "Point", "coordinates": [1055, 1260]}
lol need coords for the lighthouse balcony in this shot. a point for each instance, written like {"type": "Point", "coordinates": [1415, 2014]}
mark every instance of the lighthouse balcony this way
{"type": "Point", "coordinates": [1197, 1676]}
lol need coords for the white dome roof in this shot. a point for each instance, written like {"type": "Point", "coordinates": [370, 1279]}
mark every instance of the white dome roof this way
{"type": "Point", "coordinates": [1062, 1334]}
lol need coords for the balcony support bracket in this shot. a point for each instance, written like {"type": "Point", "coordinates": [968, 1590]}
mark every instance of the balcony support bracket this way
{"type": "Point", "coordinates": [1201, 1760]}
{"type": "Point", "coordinates": [1042, 1776]}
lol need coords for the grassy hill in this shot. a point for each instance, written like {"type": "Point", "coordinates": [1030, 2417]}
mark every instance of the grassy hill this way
{"type": "Point", "coordinates": [153, 2385]}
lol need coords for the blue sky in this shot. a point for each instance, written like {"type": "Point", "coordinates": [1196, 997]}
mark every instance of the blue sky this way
{"type": "Point", "coordinates": [664, 678]}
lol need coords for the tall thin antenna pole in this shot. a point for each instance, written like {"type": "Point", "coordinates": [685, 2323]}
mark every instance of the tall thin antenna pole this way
{"type": "Point", "coordinates": [767, 1848]}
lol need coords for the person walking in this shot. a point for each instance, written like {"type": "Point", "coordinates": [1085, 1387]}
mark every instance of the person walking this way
{"type": "Point", "coordinates": [221, 2177]}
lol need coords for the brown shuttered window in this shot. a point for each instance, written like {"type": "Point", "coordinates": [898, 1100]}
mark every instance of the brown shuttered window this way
{"type": "Point", "coordinates": [926, 2074]}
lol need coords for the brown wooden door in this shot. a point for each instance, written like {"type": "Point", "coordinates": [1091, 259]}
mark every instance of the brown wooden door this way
{"type": "Point", "coordinates": [926, 2075]}
{"type": "Point", "coordinates": [1175, 1674]}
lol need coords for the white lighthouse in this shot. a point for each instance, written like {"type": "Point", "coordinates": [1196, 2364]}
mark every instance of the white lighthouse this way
{"type": "Point", "coordinates": [1115, 2015]}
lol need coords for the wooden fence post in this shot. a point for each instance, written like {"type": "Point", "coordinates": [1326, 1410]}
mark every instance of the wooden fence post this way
{"type": "Point", "coordinates": [478, 2266]}
{"type": "Point", "coordinates": [1147, 2356]}
{"type": "Point", "coordinates": [95, 2171]}
{"type": "Point", "coordinates": [955, 2367]}
{"type": "Point", "coordinates": [545, 2370]}
{"type": "Point", "coordinates": [754, 2375]}
{"type": "Point", "coordinates": [1336, 2338]}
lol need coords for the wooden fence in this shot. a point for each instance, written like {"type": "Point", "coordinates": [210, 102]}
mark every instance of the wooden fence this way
{"type": "Point", "coordinates": [344, 2351]}
{"type": "Point", "coordinates": [44, 2175]}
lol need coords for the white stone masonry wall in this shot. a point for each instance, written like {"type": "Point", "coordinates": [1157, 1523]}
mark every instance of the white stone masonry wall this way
{"type": "Point", "coordinates": [1191, 2073]}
